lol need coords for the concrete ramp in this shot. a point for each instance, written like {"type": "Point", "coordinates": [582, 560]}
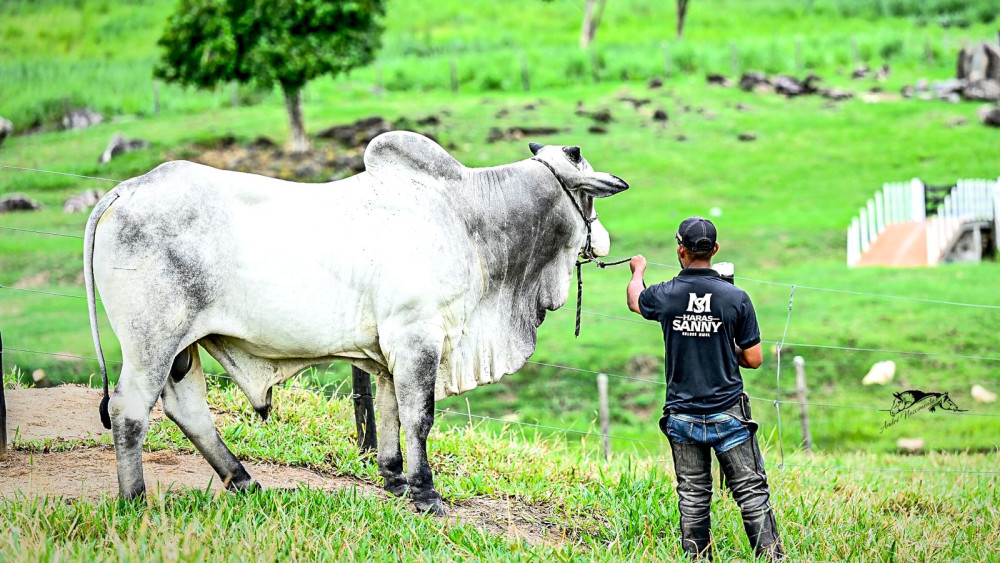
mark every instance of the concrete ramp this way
{"type": "Point", "coordinates": [900, 245]}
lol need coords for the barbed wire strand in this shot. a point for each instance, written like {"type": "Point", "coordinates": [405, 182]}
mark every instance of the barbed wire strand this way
{"type": "Point", "coordinates": [777, 376]}
{"type": "Point", "coordinates": [36, 232]}
{"type": "Point", "coordinates": [340, 395]}
{"type": "Point", "coordinates": [561, 368]}
{"type": "Point", "coordinates": [24, 169]}
{"type": "Point", "coordinates": [855, 293]}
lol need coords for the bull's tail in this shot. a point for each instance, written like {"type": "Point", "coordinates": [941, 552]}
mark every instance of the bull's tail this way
{"type": "Point", "coordinates": [88, 278]}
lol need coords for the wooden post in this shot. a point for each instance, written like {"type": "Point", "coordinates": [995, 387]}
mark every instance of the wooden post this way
{"type": "Point", "coordinates": [156, 98]}
{"type": "Point", "coordinates": [734, 59]}
{"type": "Point", "coordinates": [3, 410]}
{"type": "Point", "coordinates": [364, 411]}
{"type": "Point", "coordinates": [800, 388]}
{"type": "Point", "coordinates": [454, 75]}
{"type": "Point", "coordinates": [525, 77]}
{"type": "Point", "coordinates": [602, 392]}
{"type": "Point", "coordinates": [799, 65]}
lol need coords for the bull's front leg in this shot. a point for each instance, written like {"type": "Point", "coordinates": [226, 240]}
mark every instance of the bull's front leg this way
{"type": "Point", "coordinates": [414, 376]}
{"type": "Point", "coordinates": [390, 456]}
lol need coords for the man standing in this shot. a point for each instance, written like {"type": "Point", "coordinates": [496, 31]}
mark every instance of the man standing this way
{"type": "Point", "coordinates": [709, 331]}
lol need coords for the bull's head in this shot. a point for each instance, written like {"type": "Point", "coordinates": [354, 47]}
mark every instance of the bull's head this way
{"type": "Point", "coordinates": [584, 184]}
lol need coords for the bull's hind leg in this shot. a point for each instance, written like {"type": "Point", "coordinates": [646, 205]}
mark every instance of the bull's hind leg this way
{"type": "Point", "coordinates": [130, 405]}
{"type": "Point", "coordinates": [185, 403]}
{"type": "Point", "coordinates": [414, 374]}
{"type": "Point", "coordinates": [390, 457]}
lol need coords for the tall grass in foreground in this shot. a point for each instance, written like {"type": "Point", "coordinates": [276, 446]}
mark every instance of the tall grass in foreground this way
{"type": "Point", "coordinates": [625, 509]}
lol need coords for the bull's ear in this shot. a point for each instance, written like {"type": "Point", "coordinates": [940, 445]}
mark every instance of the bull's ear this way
{"type": "Point", "coordinates": [573, 153]}
{"type": "Point", "coordinates": [535, 147]}
{"type": "Point", "coordinates": [602, 184]}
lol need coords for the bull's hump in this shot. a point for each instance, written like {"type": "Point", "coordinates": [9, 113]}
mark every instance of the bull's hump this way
{"type": "Point", "coordinates": [403, 154]}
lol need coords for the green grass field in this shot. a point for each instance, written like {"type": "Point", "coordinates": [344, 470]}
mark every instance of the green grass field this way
{"type": "Point", "coordinates": [786, 200]}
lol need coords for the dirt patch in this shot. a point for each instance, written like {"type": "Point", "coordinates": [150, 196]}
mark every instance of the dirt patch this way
{"type": "Point", "coordinates": [66, 412]}
{"type": "Point", "coordinates": [70, 412]}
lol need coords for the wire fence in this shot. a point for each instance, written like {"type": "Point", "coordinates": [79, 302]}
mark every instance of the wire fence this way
{"type": "Point", "coordinates": [777, 401]}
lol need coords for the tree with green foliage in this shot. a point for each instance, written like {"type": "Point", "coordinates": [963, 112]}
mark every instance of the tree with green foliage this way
{"type": "Point", "coordinates": [268, 42]}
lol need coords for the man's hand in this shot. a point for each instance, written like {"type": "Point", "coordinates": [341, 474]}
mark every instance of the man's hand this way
{"type": "Point", "coordinates": [638, 263]}
{"type": "Point", "coordinates": [636, 285]}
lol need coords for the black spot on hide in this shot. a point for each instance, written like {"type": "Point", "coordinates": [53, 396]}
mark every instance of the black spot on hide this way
{"type": "Point", "coordinates": [131, 433]}
{"type": "Point", "coordinates": [191, 276]}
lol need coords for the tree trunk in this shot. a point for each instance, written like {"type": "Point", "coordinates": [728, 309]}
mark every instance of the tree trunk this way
{"type": "Point", "coordinates": [585, 29]}
{"type": "Point", "coordinates": [682, 7]}
{"type": "Point", "coordinates": [293, 104]}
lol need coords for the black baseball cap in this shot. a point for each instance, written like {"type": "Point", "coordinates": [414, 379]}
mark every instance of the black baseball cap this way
{"type": "Point", "coordinates": [697, 234]}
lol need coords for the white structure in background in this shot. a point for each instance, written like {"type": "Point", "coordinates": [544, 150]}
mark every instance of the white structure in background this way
{"type": "Point", "coordinates": [880, 373]}
{"type": "Point", "coordinates": [969, 201]}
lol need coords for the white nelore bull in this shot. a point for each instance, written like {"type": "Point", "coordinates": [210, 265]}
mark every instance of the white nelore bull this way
{"type": "Point", "coordinates": [430, 275]}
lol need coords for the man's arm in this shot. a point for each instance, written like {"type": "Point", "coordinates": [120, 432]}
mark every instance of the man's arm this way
{"type": "Point", "coordinates": [751, 358]}
{"type": "Point", "coordinates": [636, 285]}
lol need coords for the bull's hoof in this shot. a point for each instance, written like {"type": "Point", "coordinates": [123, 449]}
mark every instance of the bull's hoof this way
{"type": "Point", "coordinates": [434, 507]}
{"type": "Point", "coordinates": [396, 489]}
{"type": "Point", "coordinates": [136, 495]}
{"type": "Point", "coordinates": [245, 487]}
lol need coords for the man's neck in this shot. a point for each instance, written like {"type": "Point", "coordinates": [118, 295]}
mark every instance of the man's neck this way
{"type": "Point", "coordinates": [699, 264]}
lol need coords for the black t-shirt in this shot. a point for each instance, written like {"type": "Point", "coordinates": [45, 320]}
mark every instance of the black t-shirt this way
{"type": "Point", "coordinates": [702, 315]}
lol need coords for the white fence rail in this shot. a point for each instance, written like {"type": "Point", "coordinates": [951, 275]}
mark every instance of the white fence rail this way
{"type": "Point", "coordinates": [969, 200]}
{"type": "Point", "coordinates": [896, 203]}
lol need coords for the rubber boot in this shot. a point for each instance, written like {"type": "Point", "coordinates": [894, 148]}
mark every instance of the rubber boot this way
{"type": "Point", "coordinates": [744, 470]}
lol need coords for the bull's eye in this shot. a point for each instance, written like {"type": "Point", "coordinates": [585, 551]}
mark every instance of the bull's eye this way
{"type": "Point", "coordinates": [573, 153]}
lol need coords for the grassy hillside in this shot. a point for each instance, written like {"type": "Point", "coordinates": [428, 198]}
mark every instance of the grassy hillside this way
{"type": "Point", "coordinates": [785, 199]}
{"type": "Point", "coordinates": [624, 509]}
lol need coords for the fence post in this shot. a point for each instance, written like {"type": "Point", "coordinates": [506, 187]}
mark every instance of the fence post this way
{"type": "Point", "coordinates": [156, 98]}
{"type": "Point", "coordinates": [873, 231]}
{"type": "Point", "coordinates": [865, 235]}
{"type": "Point", "coordinates": [453, 67]}
{"type": "Point", "coordinates": [918, 211]}
{"type": "Point", "coordinates": [3, 410]}
{"type": "Point", "coordinates": [525, 77]}
{"type": "Point", "coordinates": [364, 410]}
{"type": "Point", "coordinates": [800, 387]}
{"type": "Point", "coordinates": [602, 392]}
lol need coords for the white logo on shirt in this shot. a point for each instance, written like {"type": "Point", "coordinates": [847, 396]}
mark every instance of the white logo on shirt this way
{"type": "Point", "coordinates": [699, 304]}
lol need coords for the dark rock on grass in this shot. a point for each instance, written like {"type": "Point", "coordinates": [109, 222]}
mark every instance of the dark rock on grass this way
{"type": "Point", "coordinates": [262, 142]}
{"type": "Point", "coordinates": [6, 129]}
{"type": "Point", "coordinates": [660, 115]}
{"type": "Point", "coordinates": [529, 107]}
{"type": "Point", "coordinates": [636, 102]}
{"type": "Point", "coordinates": [990, 116]}
{"type": "Point", "coordinates": [81, 119]}
{"type": "Point", "coordinates": [82, 202]}
{"type": "Point", "coordinates": [602, 116]}
{"type": "Point", "coordinates": [787, 86]}
{"type": "Point", "coordinates": [361, 132]}
{"type": "Point", "coordinates": [655, 83]}
{"type": "Point", "coordinates": [519, 132]}
{"type": "Point", "coordinates": [502, 113]}
{"type": "Point", "coordinates": [681, 138]}
{"type": "Point", "coordinates": [742, 107]}
{"type": "Point", "coordinates": [837, 95]}
{"type": "Point", "coordinates": [751, 80]}
{"type": "Point", "coordinates": [860, 72]}
{"type": "Point", "coordinates": [906, 91]}
{"type": "Point", "coordinates": [718, 80]}
{"type": "Point", "coordinates": [120, 145]}
{"type": "Point", "coordinates": [429, 121]}
{"type": "Point", "coordinates": [18, 202]}
{"type": "Point", "coordinates": [957, 122]}
{"type": "Point", "coordinates": [876, 90]}
{"type": "Point", "coordinates": [597, 130]}
{"type": "Point", "coordinates": [747, 136]}
{"type": "Point", "coordinates": [225, 141]}
{"type": "Point", "coordinates": [811, 84]}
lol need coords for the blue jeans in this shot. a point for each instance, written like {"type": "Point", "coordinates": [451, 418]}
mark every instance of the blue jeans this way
{"type": "Point", "coordinates": [721, 431]}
